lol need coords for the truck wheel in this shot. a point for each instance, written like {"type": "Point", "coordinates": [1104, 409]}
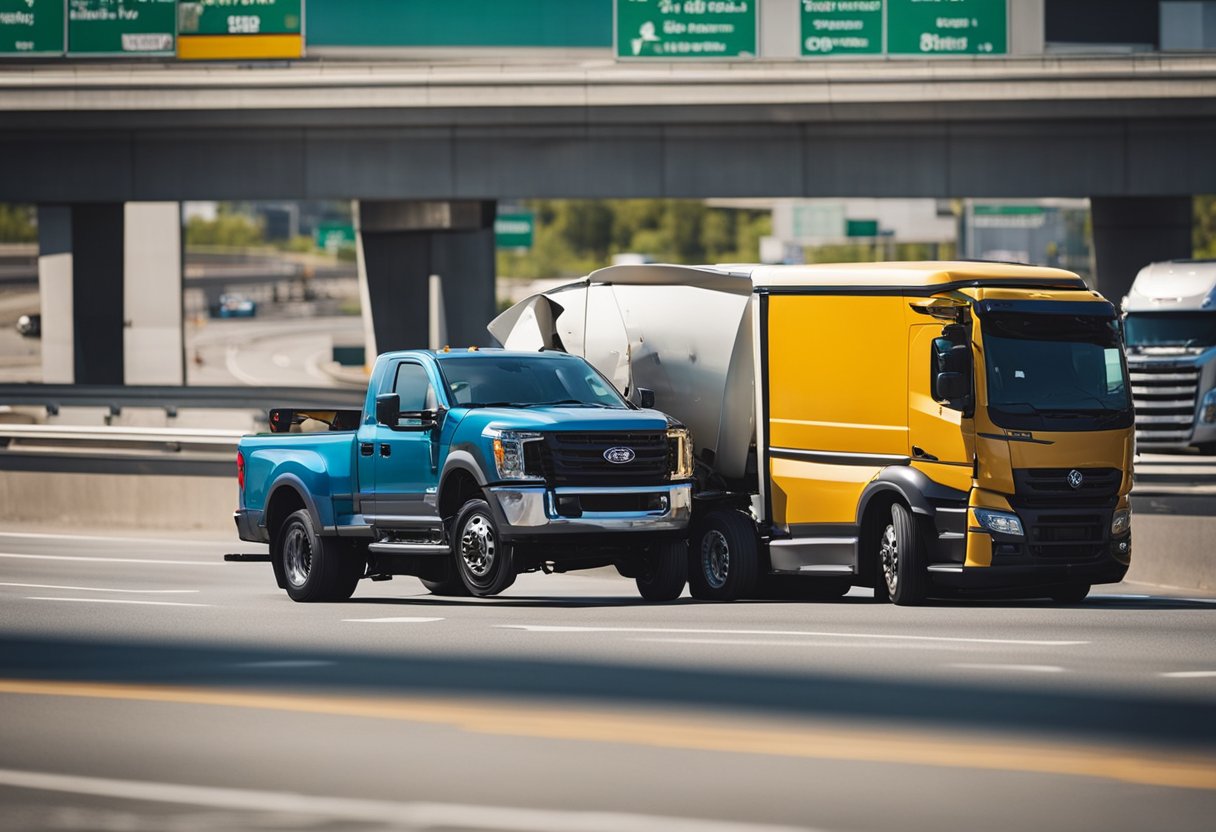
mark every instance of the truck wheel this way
{"type": "Point", "coordinates": [1071, 594]}
{"type": "Point", "coordinates": [664, 572]}
{"type": "Point", "coordinates": [723, 563]}
{"type": "Point", "coordinates": [315, 568]}
{"type": "Point", "coordinates": [483, 561]}
{"type": "Point", "coordinates": [449, 584]}
{"type": "Point", "coordinates": [901, 558]}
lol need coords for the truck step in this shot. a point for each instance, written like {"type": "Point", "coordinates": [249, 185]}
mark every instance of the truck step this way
{"type": "Point", "coordinates": [409, 548]}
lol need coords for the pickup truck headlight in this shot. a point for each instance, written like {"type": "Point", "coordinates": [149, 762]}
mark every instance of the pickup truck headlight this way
{"type": "Point", "coordinates": [509, 454]}
{"type": "Point", "coordinates": [1121, 522]}
{"type": "Point", "coordinates": [679, 453]}
{"type": "Point", "coordinates": [1001, 522]}
{"type": "Point", "coordinates": [1209, 407]}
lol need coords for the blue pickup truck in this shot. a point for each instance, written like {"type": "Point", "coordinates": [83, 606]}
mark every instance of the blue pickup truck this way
{"type": "Point", "coordinates": [466, 468]}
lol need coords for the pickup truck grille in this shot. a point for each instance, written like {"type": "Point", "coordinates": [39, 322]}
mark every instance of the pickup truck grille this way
{"type": "Point", "coordinates": [1164, 396]}
{"type": "Point", "coordinates": [570, 458]}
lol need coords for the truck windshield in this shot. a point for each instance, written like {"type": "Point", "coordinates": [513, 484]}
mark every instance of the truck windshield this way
{"type": "Point", "coordinates": [527, 381]}
{"type": "Point", "coordinates": [1060, 372]}
{"type": "Point", "coordinates": [1170, 329]}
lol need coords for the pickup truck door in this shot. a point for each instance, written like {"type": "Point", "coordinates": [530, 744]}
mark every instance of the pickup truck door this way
{"type": "Point", "coordinates": [404, 471]}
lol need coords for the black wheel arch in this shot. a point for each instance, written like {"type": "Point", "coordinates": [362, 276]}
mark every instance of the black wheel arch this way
{"type": "Point", "coordinates": [460, 480]}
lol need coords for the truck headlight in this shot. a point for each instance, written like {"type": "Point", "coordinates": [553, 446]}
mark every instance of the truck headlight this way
{"type": "Point", "coordinates": [1001, 522]}
{"type": "Point", "coordinates": [509, 454]}
{"type": "Point", "coordinates": [1121, 522]}
{"type": "Point", "coordinates": [1209, 407]}
{"type": "Point", "coordinates": [679, 453]}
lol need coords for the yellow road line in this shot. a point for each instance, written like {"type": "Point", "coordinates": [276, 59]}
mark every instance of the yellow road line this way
{"type": "Point", "coordinates": [894, 746]}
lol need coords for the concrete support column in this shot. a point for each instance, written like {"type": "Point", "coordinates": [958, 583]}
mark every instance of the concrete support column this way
{"type": "Point", "coordinates": [1027, 27]}
{"type": "Point", "coordinates": [110, 279]}
{"type": "Point", "coordinates": [1131, 232]}
{"type": "Point", "coordinates": [401, 246]}
{"type": "Point", "coordinates": [153, 334]}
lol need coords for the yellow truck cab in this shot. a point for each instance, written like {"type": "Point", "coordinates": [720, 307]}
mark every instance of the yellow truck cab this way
{"type": "Point", "coordinates": [922, 428]}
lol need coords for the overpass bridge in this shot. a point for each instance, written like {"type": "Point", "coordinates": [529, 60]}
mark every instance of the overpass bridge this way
{"type": "Point", "coordinates": [426, 148]}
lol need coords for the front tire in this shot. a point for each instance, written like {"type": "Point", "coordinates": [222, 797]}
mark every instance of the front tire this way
{"type": "Point", "coordinates": [484, 561]}
{"type": "Point", "coordinates": [901, 558]}
{"type": "Point", "coordinates": [315, 568]}
{"type": "Point", "coordinates": [724, 560]}
{"type": "Point", "coordinates": [664, 572]}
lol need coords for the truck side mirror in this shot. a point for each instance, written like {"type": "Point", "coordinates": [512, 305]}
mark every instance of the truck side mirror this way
{"type": "Point", "coordinates": [951, 386]}
{"type": "Point", "coordinates": [645, 397]}
{"type": "Point", "coordinates": [951, 372]}
{"type": "Point", "coordinates": [388, 409]}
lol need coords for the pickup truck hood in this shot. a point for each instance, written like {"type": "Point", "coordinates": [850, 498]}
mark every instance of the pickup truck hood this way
{"type": "Point", "coordinates": [564, 419]}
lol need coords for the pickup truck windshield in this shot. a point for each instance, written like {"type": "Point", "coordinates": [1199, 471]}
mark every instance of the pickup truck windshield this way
{"type": "Point", "coordinates": [1170, 329]}
{"type": "Point", "coordinates": [523, 381]}
{"type": "Point", "coordinates": [1047, 369]}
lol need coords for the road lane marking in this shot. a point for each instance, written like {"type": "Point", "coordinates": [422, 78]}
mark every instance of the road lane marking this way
{"type": "Point", "coordinates": [399, 815]}
{"type": "Point", "coordinates": [408, 619]}
{"type": "Point", "coordinates": [743, 642]}
{"type": "Point", "coordinates": [149, 540]}
{"type": "Point", "coordinates": [1190, 674]}
{"type": "Point", "coordinates": [1015, 668]}
{"type": "Point", "coordinates": [941, 748]}
{"type": "Point", "coordinates": [116, 601]}
{"type": "Point", "coordinates": [114, 560]}
{"type": "Point", "coordinates": [104, 589]}
{"type": "Point", "coordinates": [544, 628]}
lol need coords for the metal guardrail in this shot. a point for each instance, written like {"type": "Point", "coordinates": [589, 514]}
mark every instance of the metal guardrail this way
{"type": "Point", "coordinates": [85, 449]}
{"type": "Point", "coordinates": [173, 398]}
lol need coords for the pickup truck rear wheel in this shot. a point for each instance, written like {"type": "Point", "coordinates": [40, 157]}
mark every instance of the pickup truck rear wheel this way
{"type": "Point", "coordinates": [483, 560]}
{"type": "Point", "coordinates": [315, 568]}
{"type": "Point", "coordinates": [664, 572]}
{"type": "Point", "coordinates": [724, 559]}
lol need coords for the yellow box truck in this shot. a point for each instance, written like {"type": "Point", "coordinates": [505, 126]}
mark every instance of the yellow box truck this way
{"type": "Point", "coordinates": [921, 428]}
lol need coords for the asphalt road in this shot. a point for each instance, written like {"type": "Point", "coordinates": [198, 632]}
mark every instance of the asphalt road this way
{"type": "Point", "coordinates": [147, 685]}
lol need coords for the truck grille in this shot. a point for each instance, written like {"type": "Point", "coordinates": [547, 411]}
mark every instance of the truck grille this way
{"type": "Point", "coordinates": [1050, 486]}
{"type": "Point", "coordinates": [1164, 396]}
{"type": "Point", "coordinates": [570, 458]}
{"type": "Point", "coordinates": [1072, 536]}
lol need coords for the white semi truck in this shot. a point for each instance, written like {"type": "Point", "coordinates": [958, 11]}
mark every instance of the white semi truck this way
{"type": "Point", "coordinates": [1170, 331]}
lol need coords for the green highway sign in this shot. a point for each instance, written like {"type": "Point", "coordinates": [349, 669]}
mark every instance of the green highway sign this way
{"type": "Point", "coordinates": [122, 27]}
{"type": "Point", "coordinates": [333, 236]}
{"type": "Point", "coordinates": [861, 228]}
{"type": "Point", "coordinates": [241, 17]}
{"type": "Point", "coordinates": [947, 27]}
{"type": "Point", "coordinates": [675, 29]}
{"type": "Point", "coordinates": [842, 27]}
{"type": "Point", "coordinates": [514, 230]}
{"type": "Point", "coordinates": [31, 27]}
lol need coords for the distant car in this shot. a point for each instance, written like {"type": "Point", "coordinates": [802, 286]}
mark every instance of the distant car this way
{"type": "Point", "coordinates": [30, 326]}
{"type": "Point", "coordinates": [235, 306]}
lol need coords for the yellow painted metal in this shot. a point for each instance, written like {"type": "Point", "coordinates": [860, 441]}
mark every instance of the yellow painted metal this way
{"type": "Point", "coordinates": [239, 47]}
{"type": "Point", "coordinates": [810, 492]}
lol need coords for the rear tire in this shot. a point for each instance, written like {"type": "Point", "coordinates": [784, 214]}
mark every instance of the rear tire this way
{"type": "Point", "coordinates": [484, 562]}
{"type": "Point", "coordinates": [724, 559]}
{"type": "Point", "coordinates": [315, 568]}
{"type": "Point", "coordinates": [664, 572]}
{"type": "Point", "coordinates": [1071, 594]}
{"type": "Point", "coordinates": [900, 555]}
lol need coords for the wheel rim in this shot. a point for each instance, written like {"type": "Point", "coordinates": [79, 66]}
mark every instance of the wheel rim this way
{"type": "Point", "coordinates": [715, 558]}
{"type": "Point", "coordinates": [478, 546]}
{"type": "Point", "coordinates": [888, 552]}
{"type": "Point", "coordinates": [297, 560]}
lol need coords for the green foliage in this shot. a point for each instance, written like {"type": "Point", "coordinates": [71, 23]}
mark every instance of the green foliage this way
{"type": "Point", "coordinates": [227, 230]}
{"type": "Point", "coordinates": [18, 224]}
{"type": "Point", "coordinates": [1205, 227]}
{"type": "Point", "coordinates": [574, 237]}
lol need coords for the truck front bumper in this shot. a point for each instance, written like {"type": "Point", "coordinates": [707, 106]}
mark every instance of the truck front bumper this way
{"type": "Point", "coordinates": [538, 511]}
{"type": "Point", "coordinates": [1030, 573]}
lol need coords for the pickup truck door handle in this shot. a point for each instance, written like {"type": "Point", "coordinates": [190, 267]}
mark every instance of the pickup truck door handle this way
{"type": "Point", "coordinates": [365, 448]}
{"type": "Point", "coordinates": [386, 449]}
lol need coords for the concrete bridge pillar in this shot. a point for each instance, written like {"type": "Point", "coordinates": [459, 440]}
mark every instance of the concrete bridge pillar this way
{"type": "Point", "coordinates": [401, 246]}
{"type": "Point", "coordinates": [110, 280]}
{"type": "Point", "coordinates": [1131, 232]}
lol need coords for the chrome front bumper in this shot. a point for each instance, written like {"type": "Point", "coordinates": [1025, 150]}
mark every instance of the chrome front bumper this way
{"type": "Point", "coordinates": [529, 510]}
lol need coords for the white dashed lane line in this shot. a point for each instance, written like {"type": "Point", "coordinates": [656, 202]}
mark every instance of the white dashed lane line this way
{"type": "Point", "coordinates": [539, 628]}
{"type": "Point", "coordinates": [96, 559]}
{"type": "Point", "coordinates": [116, 601]}
{"type": "Point", "coordinates": [1190, 674]}
{"type": "Point", "coordinates": [104, 589]}
{"type": "Point", "coordinates": [1012, 668]}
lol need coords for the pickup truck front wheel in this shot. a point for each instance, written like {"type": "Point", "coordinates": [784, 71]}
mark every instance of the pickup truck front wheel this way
{"type": "Point", "coordinates": [485, 562]}
{"type": "Point", "coordinates": [315, 568]}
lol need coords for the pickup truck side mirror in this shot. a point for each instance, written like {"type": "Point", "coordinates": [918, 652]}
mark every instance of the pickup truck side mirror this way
{"type": "Point", "coordinates": [645, 397]}
{"type": "Point", "coordinates": [388, 409]}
